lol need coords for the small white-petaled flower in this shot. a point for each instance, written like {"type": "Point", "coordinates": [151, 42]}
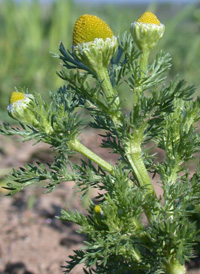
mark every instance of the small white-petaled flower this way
{"type": "Point", "coordinates": [147, 31]}
{"type": "Point", "coordinates": [19, 108]}
{"type": "Point", "coordinates": [98, 53]}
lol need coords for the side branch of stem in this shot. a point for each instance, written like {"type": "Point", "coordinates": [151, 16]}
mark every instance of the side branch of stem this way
{"type": "Point", "coordinates": [137, 164]}
{"type": "Point", "coordinates": [77, 146]}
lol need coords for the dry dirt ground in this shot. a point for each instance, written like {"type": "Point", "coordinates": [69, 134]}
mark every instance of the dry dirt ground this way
{"type": "Point", "coordinates": [32, 240]}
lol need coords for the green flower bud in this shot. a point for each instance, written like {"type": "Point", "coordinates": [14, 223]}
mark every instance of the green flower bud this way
{"type": "Point", "coordinates": [147, 31]}
{"type": "Point", "coordinates": [20, 108]}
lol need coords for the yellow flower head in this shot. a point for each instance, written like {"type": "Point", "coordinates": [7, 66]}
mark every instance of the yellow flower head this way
{"type": "Point", "coordinates": [97, 209]}
{"type": "Point", "coordinates": [94, 42]}
{"type": "Point", "coordinates": [16, 96]}
{"type": "Point", "coordinates": [148, 18]}
{"type": "Point", "coordinates": [88, 27]}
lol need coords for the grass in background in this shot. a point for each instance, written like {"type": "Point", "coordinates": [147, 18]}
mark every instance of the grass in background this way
{"type": "Point", "coordinates": [29, 31]}
{"type": "Point", "coordinates": [182, 41]}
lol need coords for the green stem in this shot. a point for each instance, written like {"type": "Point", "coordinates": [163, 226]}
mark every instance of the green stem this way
{"type": "Point", "coordinates": [140, 171]}
{"type": "Point", "coordinates": [135, 159]}
{"type": "Point", "coordinates": [174, 174]}
{"type": "Point", "coordinates": [174, 267]}
{"type": "Point", "coordinates": [110, 93]}
{"type": "Point", "coordinates": [134, 155]}
{"type": "Point", "coordinates": [143, 67]}
{"type": "Point", "coordinates": [144, 62]}
{"type": "Point", "coordinates": [77, 146]}
{"type": "Point", "coordinates": [136, 95]}
{"type": "Point", "coordinates": [106, 84]}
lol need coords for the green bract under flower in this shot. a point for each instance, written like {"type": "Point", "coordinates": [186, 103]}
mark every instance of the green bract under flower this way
{"type": "Point", "coordinates": [98, 53]}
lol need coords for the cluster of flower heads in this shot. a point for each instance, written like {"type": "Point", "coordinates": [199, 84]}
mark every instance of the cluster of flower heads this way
{"type": "Point", "coordinates": [90, 27]}
{"type": "Point", "coordinates": [94, 45]}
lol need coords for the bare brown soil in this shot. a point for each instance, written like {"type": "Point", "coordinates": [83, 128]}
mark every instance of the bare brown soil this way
{"type": "Point", "coordinates": [32, 240]}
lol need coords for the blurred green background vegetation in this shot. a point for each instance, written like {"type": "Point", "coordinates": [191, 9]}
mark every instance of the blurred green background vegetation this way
{"type": "Point", "coordinates": [30, 30]}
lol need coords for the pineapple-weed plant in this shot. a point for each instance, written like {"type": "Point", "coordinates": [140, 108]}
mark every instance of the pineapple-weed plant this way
{"type": "Point", "coordinates": [163, 115]}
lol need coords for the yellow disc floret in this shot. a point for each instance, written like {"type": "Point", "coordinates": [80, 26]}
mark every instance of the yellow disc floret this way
{"type": "Point", "coordinates": [148, 18]}
{"type": "Point", "coordinates": [97, 209]}
{"type": "Point", "coordinates": [89, 27]}
{"type": "Point", "coordinates": [16, 96]}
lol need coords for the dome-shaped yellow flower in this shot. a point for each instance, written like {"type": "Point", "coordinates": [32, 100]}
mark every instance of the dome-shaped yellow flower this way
{"type": "Point", "coordinates": [16, 96]}
{"type": "Point", "coordinates": [147, 31]}
{"type": "Point", "coordinates": [148, 18]}
{"type": "Point", "coordinates": [94, 42]}
{"type": "Point", "coordinates": [88, 27]}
